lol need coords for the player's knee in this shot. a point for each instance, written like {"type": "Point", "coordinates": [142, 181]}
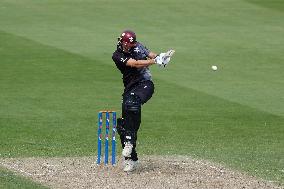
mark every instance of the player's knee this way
{"type": "Point", "coordinates": [133, 103]}
{"type": "Point", "coordinates": [120, 126]}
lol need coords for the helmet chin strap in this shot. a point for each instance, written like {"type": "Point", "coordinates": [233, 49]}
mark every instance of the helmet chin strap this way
{"type": "Point", "coordinates": [127, 50]}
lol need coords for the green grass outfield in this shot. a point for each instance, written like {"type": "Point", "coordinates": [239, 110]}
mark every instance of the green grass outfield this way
{"type": "Point", "coordinates": [10, 181]}
{"type": "Point", "coordinates": [56, 72]}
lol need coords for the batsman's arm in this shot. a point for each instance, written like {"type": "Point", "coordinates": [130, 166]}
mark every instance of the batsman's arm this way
{"type": "Point", "coordinates": [140, 63]}
{"type": "Point", "coordinates": [152, 55]}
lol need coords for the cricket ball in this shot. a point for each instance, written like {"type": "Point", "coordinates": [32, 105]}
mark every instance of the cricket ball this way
{"type": "Point", "coordinates": [214, 68]}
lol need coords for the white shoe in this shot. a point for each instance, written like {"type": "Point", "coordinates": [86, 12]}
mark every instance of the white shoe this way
{"type": "Point", "coordinates": [130, 165]}
{"type": "Point", "coordinates": [127, 150]}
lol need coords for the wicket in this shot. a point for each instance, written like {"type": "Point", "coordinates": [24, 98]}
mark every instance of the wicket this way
{"type": "Point", "coordinates": [100, 126]}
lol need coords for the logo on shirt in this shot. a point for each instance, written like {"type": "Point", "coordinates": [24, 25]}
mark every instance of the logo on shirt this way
{"type": "Point", "coordinates": [136, 49]}
{"type": "Point", "coordinates": [123, 59]}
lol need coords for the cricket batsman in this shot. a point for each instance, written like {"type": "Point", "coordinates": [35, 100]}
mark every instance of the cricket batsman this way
{"type": "Point", "coordinates": [133, 59]}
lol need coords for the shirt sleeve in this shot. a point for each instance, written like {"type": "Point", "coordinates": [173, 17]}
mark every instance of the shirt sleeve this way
{"type": "Point", "coordinates": [144, 50]}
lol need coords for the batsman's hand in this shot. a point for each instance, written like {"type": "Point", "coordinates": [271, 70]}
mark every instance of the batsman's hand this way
{"type": "Point", "coordinates": [166, 57]}
{"type": "Point", "coordinates": [158, 60]}
{"type": "Point", "coordinates": [164, 63]}
{"type": "Point", "coordinates": [161, 61]}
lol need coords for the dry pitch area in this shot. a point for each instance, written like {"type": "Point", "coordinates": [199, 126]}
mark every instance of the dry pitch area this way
{"type": "Point", "coordinates": [153, 172]}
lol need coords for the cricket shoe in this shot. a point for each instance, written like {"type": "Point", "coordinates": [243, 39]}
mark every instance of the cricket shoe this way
{"type": "Point", "coordinates": [127, 150]}
{"type": "Point", "coordinates": [130, 165]}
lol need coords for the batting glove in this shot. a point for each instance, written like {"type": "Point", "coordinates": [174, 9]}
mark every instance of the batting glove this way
{"type": "Point", "coordinates": [158, 60]}
{"type": "Point", "coordinates": [164, 60]}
